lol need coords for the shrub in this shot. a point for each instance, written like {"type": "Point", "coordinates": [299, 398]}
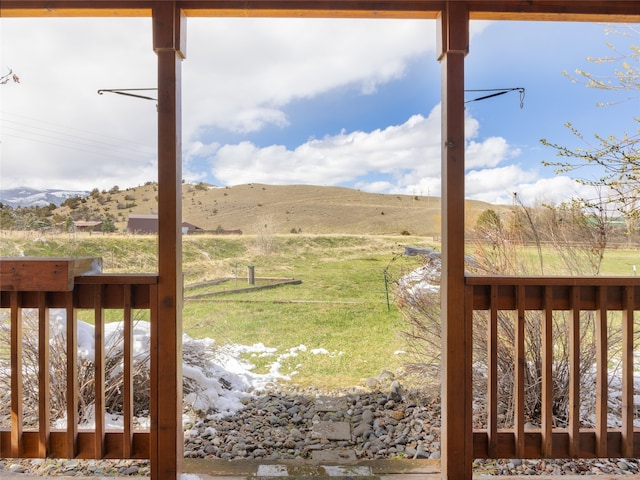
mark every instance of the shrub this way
{"type": "Point", "coordinates": [203, 378]}
{"type": "Point", "coordinates": [501, 249]}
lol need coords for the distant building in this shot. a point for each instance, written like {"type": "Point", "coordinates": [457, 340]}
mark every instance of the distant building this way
{"type": "Point", "coordinates": [83, 226]}
{"type": "Point", "coordinates": [148, 223]}
{"type": "Point", "coordinates": [190, 228]}
{"type": "Point", "coordinates": [141, 223]}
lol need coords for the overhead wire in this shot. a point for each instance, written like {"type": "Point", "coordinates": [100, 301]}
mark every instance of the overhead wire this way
{"type": "Point", "coordinates": [104, 146]}
{"type": "Point", "coordinates": [67, 137]}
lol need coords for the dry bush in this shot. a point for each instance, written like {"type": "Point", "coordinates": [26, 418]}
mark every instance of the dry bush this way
{"type": "Point", "coordinates": [266, 229]}
{"type": "Point", "coordinates": [198, 356]}
{"type": "Point", "coordinates": [501, 249]}
{"type": "Point", "coordinates": [421, 311]}
{"type": "Point", "coordinates": [58, 373]}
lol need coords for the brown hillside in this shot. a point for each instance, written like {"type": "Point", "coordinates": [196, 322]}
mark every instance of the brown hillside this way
{"type": "Point", "coordinates": [256, 208]}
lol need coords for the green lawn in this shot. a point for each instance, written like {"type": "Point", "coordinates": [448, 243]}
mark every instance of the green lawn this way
{"type": "Point", "coordinates": [340, 306]}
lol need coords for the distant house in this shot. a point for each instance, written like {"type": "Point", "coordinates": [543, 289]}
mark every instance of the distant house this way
{"type": "Point", "coordinates": [83, 226]}
{"type": "Point", "coordinates": [148, 223]}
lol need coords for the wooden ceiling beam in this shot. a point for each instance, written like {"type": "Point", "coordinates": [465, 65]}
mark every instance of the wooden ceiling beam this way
{"type": "Point", "coordinates": [74, 8]}
{"type": "Point", "coordinates": [622, 11]}
{"type": "Point", "coordinates": [428, 9]}
{"type": "Point", "coordinates": [541, 10]}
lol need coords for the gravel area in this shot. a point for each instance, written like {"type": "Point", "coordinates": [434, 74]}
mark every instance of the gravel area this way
{"type": "Point", "coordinates": [283, 424]}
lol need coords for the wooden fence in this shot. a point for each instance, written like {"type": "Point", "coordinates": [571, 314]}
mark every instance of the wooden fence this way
{"type": "Point", "coordinates": [591, 309]}
{"type": "Point", "coordinates": [45, 284]}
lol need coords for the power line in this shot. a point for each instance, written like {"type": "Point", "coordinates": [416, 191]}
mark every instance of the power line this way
{"type": "Point", "coordinates": [102, 153]}
{"type": "Point", "coordinates": [33, 130]}
{"type": "Point", "coordinates": [79, 140]}
{"type": "Point", "coordinates": [56, 125]}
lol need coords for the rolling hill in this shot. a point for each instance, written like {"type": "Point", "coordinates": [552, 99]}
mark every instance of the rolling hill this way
{"type": "Point", "coordinates": [279, 209]}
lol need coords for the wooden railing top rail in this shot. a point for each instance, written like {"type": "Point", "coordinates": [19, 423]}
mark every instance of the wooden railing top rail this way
{"type": "Point", "coordinates": [44, 274]}
{"type": "Point", "coordinates": [84, 291]}
{"type": "Point", "coordinates": [550, 280]}
{"type": "Point", "coordinates": [505, 293]}
{"type": "Point", "coordinates": [118, 279]}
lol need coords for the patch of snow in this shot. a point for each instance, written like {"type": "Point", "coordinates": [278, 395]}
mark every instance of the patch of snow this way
{"type": "Point", "coordinates": [219, 378]}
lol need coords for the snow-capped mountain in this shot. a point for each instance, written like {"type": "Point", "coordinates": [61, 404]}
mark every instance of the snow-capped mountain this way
{"type": "Point", "coordinates": [30, 197]}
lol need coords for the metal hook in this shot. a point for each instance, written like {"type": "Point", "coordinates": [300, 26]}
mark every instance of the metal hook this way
{"type": "Point", "coordinates": [497, 91]}
{"type": "Point", "coordinates": [124, 91]}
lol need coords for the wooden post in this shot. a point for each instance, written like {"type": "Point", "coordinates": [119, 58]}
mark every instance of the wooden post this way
{"type": "Point", "coordinates": [169, 30]}
{"type": "Point", "coordinates": [457, 440]}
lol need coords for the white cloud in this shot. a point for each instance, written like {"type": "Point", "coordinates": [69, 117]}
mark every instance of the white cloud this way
{"type": "Point", "coordinates": [56, 130]}
{"type": "Point", "coordinates": [492, 184]}
{"type": "Point", "coordinates": [239, 76]}
{"type": "Point", "coordinates": [408, 153]}
{"type": "Point", "coordinates": [241, 72]}
{"type": "Point", "coordinates": [332, 160]}
{"type": "Point", "coordinates": [488, 153]}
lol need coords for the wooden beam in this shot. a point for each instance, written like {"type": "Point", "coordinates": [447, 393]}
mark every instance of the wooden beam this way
{"type": "Point", "coordinates": [457, 444]}
{"type": "Point", "coordinates": [74, 8]}
{"type": "Point", "coordinates": [626, 11]}
{"type": "Point", "coordinates": [426, 9]}
{"type": "Point", "coordinates": [539, 10]}
{"type": "Point", "coordinates": [167, 433]}
{"type": "Point", "coordinates": [228, 8]}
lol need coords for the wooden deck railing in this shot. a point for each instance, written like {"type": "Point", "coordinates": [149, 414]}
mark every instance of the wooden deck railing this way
{"type": "Point", "coordinates": [95, 293]}
{"type": "Point", "coordinates": [608, 303]}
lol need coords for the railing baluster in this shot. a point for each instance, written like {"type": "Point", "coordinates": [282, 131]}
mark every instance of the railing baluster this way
{"type": "Point", "coordinates": [573, 297]}
{"type": "Point", "coordinates": [98, 293]}
{"type": "Point", "coordinates": [16, 376]}
{"type": "Point", "coordinates": [98, 316]}
{"type": "Point", "coordinates": [602, 370]}
{"type": "Point", "coordinates": [627, 372]}
{"type": "Point", "coordinates": [44, 404]}
{"type": "Point", "coordinates": [467, 339]}
{"type": "Point", "coordinates": [520, 360]}
{"type": "Point", "coordinates": [127, 405]}
{"type": "Point", "coordinates": [154, 391]}
{"type": "Point", "coordinates": [574, 374]}
{"type": "Point", "coordinates": [492, 380]}
{"type": "Point", "coordinates": [547, 374]}
{"type": "Point", "coordinates": [72, 377]}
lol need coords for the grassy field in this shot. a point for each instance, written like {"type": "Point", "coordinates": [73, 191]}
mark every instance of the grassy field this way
{"type": "Point", "coordinates": [340, 306]}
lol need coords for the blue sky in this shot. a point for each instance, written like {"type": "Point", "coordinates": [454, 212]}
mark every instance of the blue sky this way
{"type": "Point", "coordinates": [325, 102]}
